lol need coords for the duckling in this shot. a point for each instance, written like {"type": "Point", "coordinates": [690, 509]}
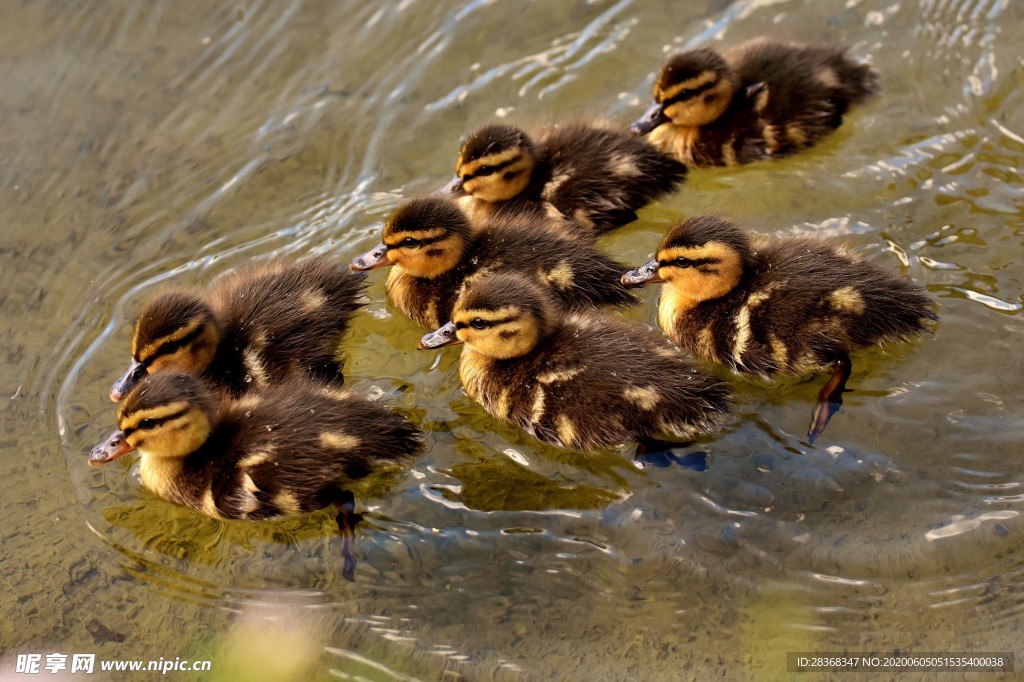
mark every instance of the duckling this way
{"type": "Point", "coordinates": [250, 328]}
{"type": "Point", "coordinates": [761, 100]}
{"type": "Point", "coordinates": [786, 306]}
{"type": "Point", "coordinates": [289, 449]}
{"type": "Point", "coordinates": [597, 176]}
{"type": "Point", "coordinates": [435, 250]}
{"type": "Point", "coordinates": [579, 380]}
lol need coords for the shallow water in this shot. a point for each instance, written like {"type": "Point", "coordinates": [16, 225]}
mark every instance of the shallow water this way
{"type": "Point", "coordinates": [171, 141]}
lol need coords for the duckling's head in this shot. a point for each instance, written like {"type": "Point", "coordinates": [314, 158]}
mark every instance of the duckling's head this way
{"type": "Point", "coordinates": [166, 415]}
{"type": "Point", "coordinates": [426, 237]}
{"type": "Point", "coordinates": [502, 316]}
{"type": "Point", "coordinates": [693, 88]}
{"type": "Point", "coordinates": [495, 163]}
{"type": "Point", "coordinates": [701, 258]}
{"type": "Point", "coordinates": [176, 331]}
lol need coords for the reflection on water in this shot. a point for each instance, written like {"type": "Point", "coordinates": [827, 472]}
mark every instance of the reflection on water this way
{"type": "Point", "coordinates": [172, 141]}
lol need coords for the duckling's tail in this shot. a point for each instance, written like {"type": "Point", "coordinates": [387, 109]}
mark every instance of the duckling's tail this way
{"type": "Point", "coordinates": [857, 81]}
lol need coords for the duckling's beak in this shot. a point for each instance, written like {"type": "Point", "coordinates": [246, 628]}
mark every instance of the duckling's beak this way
{"type": "Point", "coordinates": [445, 336]}
{"type": "Point", "coordinates": [377, 257]}
{"type": "Point", "coordinates": [645, 274]}
{"type": "Point", "coordinates": [126, 383]}
{"type": "Point", "coordinates": [452, 189]}
{"type": "Point", "coordinates": [113, 447]}
{"type": "Point", "coordinates": [651, 119]}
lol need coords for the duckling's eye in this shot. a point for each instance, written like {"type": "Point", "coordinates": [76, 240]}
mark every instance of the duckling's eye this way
{"type": "Point", "coordinates": [409, 243]}
{"type": "Point", "coordinates": [146, 424]}
{"type": "Point", "coordinates": [683, 262]}
{"type": "Point", "coordinates": [485, 170]}
{"type": "Point", "coordinates": [477, 323]}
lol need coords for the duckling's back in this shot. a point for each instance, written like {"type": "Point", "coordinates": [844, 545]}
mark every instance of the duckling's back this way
{"type": "Point", "coordinates": [601, 176]}
{"type": "Point", "coordinates": [290, 448]}
{"type": "Point", "coordinates": [806, 89]}
{"type": "Point", "coordinates": [598, 381]}
{"type": "Point", "coordinates": [280, 319]}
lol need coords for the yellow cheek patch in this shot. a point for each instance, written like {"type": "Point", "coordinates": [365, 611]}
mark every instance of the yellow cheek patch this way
{"type": "Point", "coordinates": [470, 167]}
{"type": "Point", "coordinates": [338, 440]}
{"type": "Point", "coordinates": [704, 282]}
{"type": "Point", "coordinates": [644, 397]}
{"type": "Point", "coordinates": [661, 94]}
{"type": "Point", "coordinates": [847, 299]}
{"type": "Point", "coordinates": [131, 421]}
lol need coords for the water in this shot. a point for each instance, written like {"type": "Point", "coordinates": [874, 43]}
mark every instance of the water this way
{"type": "Point", "coordinates": [170, 141]}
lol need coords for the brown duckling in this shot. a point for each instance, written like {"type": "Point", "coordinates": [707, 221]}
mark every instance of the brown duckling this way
{"type": "Point", "coordinates": [761, 100]}
{"type": "Point", "coordinates": [579, 380]}
{"type": "Point", "coordinates": [289, 449]}
{"type": "Point", "coordinates": [783, 306]}
{"type": "Point", "coordinates": [597, 176]}
{"type": "Point", "coordinates": [250, 328]}
{"type": "Point", "coordinates": [434, 250]}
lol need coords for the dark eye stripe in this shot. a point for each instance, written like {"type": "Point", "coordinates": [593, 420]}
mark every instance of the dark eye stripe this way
{"type": "Point", "coordinates": [689, 94]}
{"type": "Point", "coordinates": [491, 170]}
{"type": "Point", "coordinates": [694, 262]}
{"type": "Point", "coordinates": [420, 242]}
{"type": "Point", "coordinates": [156, 422]}
{"type": "Point", "coordinates": [171, 346]}
{"type": "Point", "coordinates": [488, 323]}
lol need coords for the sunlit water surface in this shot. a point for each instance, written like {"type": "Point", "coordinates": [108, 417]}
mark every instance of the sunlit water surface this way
{"type": "Point", "coordinates": [152, 142]}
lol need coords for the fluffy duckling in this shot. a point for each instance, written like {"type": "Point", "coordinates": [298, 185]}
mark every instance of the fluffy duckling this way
{"type": "Point", "coordinates": [290, 449]}
{"type": "Point", "coordinates": [789, 306]}
{"type": "Point", "coordinates": [599, 177]}
{"type": "Point", "coordinates": [582, 380]}
{"type": "Point", "coordinates": [434, 250]}
{"type": "Point", "coordinates": [248, 329]}
{"type": "Point", "coordinates": [761, 100]}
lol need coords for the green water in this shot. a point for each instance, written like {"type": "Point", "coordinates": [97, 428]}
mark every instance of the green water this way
{"type": "Point", "coordinates": [170, 141]}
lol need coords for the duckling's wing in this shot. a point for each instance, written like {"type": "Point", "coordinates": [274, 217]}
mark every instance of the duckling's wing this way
{"type": "Point", "coordinates": [602, 176]}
